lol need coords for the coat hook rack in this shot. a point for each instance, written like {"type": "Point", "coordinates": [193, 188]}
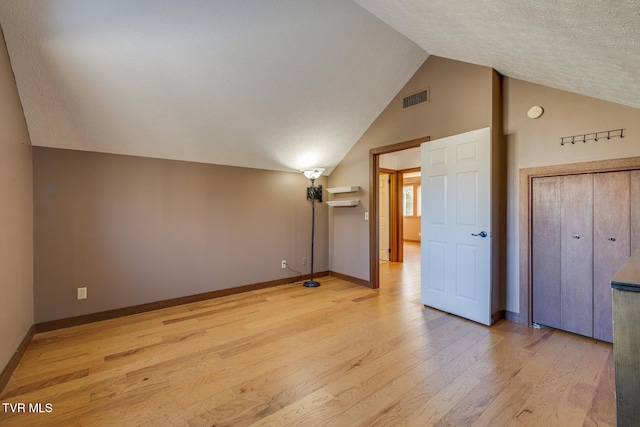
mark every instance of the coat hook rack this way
{"type": "Point", "coordinates": [594, 136]}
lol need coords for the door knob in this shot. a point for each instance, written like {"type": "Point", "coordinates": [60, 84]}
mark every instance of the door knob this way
{"type": "Point", "coordinates": [611, 239]}
{"type": "Point", "coordinates": [576, 236]}
{"type": "Point", "coordinates": [482, 234]}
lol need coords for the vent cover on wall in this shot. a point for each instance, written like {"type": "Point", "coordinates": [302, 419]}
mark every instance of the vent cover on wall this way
{"type": "Point", "coordinates": [415, 99]}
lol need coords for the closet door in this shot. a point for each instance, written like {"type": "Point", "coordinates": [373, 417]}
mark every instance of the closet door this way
{"type": "Point", "coordinates": [611, 244]}
{"type": "Point", "coordinates": [634, 185]}
{"type": "Point", "coordinates": [545, 251]}
{"type": "Point", "coordinates": [576, 254]}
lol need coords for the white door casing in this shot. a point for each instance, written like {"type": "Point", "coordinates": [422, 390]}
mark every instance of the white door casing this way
{"type": "Point", "coordinates": [456, 213]}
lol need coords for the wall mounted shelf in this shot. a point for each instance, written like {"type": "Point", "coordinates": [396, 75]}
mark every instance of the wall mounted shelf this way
{"type": "Point", "coordinates": [343, 202]}
{"type": "Point", "coordinates": [351, 189]}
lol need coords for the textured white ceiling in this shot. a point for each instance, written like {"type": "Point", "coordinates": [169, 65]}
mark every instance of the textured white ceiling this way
{"type": "Point", "coordinates": [276, 85]}
{"type": "Point", "coordinates": [590, 47]}
{"type": "Point", "coordinates": [284, 84]}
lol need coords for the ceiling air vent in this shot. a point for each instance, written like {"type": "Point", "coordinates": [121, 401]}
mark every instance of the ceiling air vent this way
{"type": "Point", "coordinates": [415, 99]}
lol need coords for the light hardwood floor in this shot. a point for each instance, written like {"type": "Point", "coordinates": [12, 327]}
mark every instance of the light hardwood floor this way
{"type": "Point", "coordinates": [337, 355]}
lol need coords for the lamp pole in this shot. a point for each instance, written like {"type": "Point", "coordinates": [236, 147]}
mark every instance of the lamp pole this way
{"type": "Point", "coordinates": [313, 193]}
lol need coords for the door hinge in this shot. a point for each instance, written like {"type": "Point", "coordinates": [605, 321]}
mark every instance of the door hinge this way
{"type": "Point", "coordinates": [389, 250]}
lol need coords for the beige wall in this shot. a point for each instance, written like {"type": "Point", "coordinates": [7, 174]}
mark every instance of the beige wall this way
{"type": "Point", "coordinates": [537, 143]}
{"type": "Point", "coordinates": [137, 230]}
{"type": "Point", "coordinates": [411, 229]}
{"type": "Point", "coordinates": [16, 230]}
{"type": "Point", "coordinates": [461, 99]}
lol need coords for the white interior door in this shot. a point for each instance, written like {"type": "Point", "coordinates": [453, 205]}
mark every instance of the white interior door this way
{"type": "Point", "coordinates": [456, 221]}
{"type": "Point", "coordinates": [383, 210]}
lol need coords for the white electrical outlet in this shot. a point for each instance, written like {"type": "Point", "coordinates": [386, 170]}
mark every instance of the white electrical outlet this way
{"type": "Point", "coordinates": [304, 260]}
{"type": "Point", "coordinates": [82, 293]}
{"type": "Point", "coordinates": [284, 263]}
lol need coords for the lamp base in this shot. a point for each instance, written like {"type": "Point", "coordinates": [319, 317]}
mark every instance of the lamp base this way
{"type": "Point", "coordinates": [311, 284]}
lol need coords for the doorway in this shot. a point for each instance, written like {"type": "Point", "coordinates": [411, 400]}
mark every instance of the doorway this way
{"type": "Point", "coordinates": [390, 216]}
{"type": "Point", "coordinates": [384, 214]}
{"type": "Point", "coordinates": [375, 156]}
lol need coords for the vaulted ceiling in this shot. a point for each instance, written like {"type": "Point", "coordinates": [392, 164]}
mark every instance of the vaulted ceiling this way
{"type": "Point", "coordinates": [284, 84]}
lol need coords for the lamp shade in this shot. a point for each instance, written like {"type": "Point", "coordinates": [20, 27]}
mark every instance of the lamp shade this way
{"type": "Point", "coordinates": [313, 173]}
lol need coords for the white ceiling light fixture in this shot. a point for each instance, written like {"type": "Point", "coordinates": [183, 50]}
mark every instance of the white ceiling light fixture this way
{"type": "Point", "coordinates": [535, 112]}
{"type": "Point", "coordinates": [313, 173]}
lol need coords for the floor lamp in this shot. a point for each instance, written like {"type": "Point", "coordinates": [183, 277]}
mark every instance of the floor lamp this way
{"type": "Point", "coordinates": [313, 193]}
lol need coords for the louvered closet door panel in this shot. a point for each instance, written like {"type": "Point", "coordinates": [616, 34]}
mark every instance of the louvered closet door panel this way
{"type": "Point", "coordinates": [611, 244]}
{"type": "Point", "coordinates": [545, 251]}
{"type": "Point", "coordinates": [634, 194]}
{"type": "Point", "coordinates": [576, 254]}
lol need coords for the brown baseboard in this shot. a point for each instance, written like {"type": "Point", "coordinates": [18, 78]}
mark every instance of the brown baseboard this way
{"type": "Point", "coordinates": [497, 316]}
{"type": "Point", "coordinates": [512, 317]}
{"type": "Point", "coordinates": [143, 308]}
{"type": "Point", "coordinates": [351, 279]}
{"type": "Point", "coordinates": [13, 362]}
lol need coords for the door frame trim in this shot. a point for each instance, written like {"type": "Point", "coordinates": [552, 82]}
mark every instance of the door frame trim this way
{"type": "Point", "coordinates": [395, 225]}
{"type": "Point", "coordinates": [374, 172]}
{"type": "Point", "coordinates": [524, 208]}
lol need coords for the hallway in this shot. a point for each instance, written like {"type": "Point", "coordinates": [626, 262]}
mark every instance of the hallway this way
{"type": "Point", "coordinates": [403, 276]}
